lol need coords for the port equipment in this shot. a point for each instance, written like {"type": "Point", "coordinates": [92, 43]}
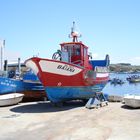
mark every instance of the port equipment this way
{"type": "Point", "coordinates": [98, 100]}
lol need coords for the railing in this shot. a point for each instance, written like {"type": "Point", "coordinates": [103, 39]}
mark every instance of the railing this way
{"type": "Point", "coordinates": [101, 69]}
{"type": "Point", "coordinates": [78, 62]}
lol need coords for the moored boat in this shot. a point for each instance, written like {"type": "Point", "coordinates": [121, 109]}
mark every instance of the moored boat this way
{"type": "Point", "coordinates": [70, 74]}
{"type": "Point", "coordinates": [116, 81]}
{"type": "Point", "coordinates": [133, 78]}
{"type": "Point", "coordinates": [10, 99]}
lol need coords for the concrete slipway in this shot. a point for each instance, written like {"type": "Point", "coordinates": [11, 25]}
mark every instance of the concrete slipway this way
{"type": "Point", "coordinates": [42, 121]}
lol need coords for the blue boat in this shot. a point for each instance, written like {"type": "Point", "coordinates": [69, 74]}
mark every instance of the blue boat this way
{"type": "Point", "coordinates": [31, 82]}
{"type": "Point", "coordinates": [14, 83]}
{"type": "Point", "coordinates": [10, 85]}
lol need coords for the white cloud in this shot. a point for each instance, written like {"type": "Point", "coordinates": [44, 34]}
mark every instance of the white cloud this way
{"type": "Point", "coordinates": [95, 55]}
{"type": "Point", "coordinates": [131, 60]}
{"type": "Point", "coordinates": [10, 56]}
{"type": "Point", "coordinates": [135, 60]}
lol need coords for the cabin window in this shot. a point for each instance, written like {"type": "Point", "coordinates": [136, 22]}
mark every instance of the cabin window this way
{"type": "Point", "coordinates": [72, 50]}
{"type": "Point", "coordinates": [76, 50]}
{"type": "Point", "coordinates": [65, 48]}
{"type": "Point", "coordinates": [85, 52]}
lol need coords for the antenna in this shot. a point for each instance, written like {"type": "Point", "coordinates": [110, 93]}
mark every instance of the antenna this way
{"type": "Point", "coordinates": [74, 34]}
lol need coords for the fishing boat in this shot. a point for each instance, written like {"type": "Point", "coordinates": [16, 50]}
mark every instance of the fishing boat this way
{"type": "Point", "coordinates": [10, 99]}
{"type": "Point", "coordinates": [133, 78]}
{"type": "Point", "coordinates": [116, 81]}
{"type": "Point", "coordinates": [31, 82]}
{"type": "Point", "coordinates": [22, 82]}
{"type": "Point", "coordinates": [33, 88]}
{"type": "Point", "coordinates": [10, 85]}
{"type": "Point", "coordinates": [14, 78]}
{"type": "Point", "coordinates": [71, 74]}
{"type": "Point", "coordinates": [28, 82]}
{"type": "Point", "coordinates": [132, 100]}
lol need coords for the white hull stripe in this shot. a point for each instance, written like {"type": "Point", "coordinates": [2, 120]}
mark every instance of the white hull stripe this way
{"type": "Point", "coordinates": [32, 65]}
{"type": "Point", "coordinates": [58, 68]}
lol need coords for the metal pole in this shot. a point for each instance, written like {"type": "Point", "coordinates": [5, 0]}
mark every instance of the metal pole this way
{"type": "Point", "coordinates": [1, 56]}
{"type": "Point", "coordinates": [2, 47]}
{"type": "Point", "coordinates": [19, 66]}
{"type": "Point", "coordinates": [1, 52]}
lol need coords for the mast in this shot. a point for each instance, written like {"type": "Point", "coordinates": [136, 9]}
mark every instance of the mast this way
{"type": "Point", "coordinates": [2, 45]}
{"type": "Point", "coordinates": [19, 66]}
{"type": "Point", "coordinates": [74, 34]}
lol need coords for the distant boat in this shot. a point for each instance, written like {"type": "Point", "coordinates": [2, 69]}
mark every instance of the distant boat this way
{"type": "Point", "coordinates": [116, 81]}
{"type": "Point", "coordinates": [133, 79]}
{"type": "Point", "coordinates": [71, 74]}
{"type": "Point", "coordinates": [10, 99]}
{"type": "Point", "coordinates": [132, 100]}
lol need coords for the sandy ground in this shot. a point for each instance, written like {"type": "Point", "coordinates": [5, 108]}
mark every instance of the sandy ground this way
{"type": "Point", "coordinates": [42, 121]}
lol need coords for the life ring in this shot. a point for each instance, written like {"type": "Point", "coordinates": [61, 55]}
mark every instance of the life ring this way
{"type": "Point", "coordinates": [57, 55]}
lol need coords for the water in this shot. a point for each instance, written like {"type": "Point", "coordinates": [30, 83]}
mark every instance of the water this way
{"type": "Point", "coordinates": [126, 88]}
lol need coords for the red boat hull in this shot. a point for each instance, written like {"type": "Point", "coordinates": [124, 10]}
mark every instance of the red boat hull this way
{"type": "Point", "coordinates": [56, 73]}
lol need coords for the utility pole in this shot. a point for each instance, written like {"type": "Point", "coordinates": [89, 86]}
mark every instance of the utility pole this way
{"type": "Point", "coordinates": [2, 45]}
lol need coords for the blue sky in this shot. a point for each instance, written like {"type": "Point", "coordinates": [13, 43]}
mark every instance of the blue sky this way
{"type": "Point", "coordinates": [37, 27]}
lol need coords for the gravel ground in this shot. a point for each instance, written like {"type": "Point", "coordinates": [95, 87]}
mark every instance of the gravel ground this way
{"type": "Point", "coordinates": [42, 121]}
